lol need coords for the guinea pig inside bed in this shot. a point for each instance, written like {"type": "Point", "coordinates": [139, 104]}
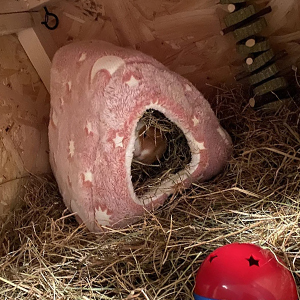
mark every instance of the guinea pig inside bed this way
{"type": "Point", "coordinates": [174, 153]}
{"type": "Point", "coordinates": [92, 145]}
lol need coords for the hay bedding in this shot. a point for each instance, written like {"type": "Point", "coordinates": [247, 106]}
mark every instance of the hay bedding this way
{"type": "Point", "coordinates": [45, 255]}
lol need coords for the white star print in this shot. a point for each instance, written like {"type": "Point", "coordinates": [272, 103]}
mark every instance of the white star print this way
{"type": "Point", "coordinates": [54, 118]}
{"type": "Point", "coordinates": [82, 57]}
{"type": "Point", "coordinates": [88, 127]}
{"type": "Point", "coordinates": [71, 148]}
{"type": "Point", "coordinates": [188, 88]}
{"type": "Point", "coordinates": [118, 140]}
{"type": "Point", "coordinates": [102, 217]}
{"type": "Point", "coordinates": [195, 121]}
{"type": "Point", "coordinates": [200, 146]}
{"type": "Point", "coordinates": [88, 176]}
{"type": "Point", "coordinates": [132, 82]}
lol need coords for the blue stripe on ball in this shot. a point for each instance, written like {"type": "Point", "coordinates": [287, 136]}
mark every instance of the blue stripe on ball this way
{"type": "Point", "coordinates": [202, 298]}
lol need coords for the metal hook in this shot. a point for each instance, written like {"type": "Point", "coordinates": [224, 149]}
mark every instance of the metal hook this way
{"type": "Point", "coordinates": [47, 19]}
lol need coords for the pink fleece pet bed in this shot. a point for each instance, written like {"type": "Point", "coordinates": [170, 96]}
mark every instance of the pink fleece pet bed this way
{"type": "Point", "coordinates": [98, 94]}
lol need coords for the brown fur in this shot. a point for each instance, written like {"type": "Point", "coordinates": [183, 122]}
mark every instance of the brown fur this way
{"type": "Point", "coordinates": [152, 144]}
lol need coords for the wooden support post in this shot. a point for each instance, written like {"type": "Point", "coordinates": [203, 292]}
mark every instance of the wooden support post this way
{"type": "Point", "coordinates": [44, 35]}
{"type": "Point", "coordinates": [37, 54]}
{"type": "Point", "coordinates": [39, 47]}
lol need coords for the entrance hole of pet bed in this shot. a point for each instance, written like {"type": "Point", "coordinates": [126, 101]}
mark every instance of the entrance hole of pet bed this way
{"type": "Point", "coordinates": [176, 157]}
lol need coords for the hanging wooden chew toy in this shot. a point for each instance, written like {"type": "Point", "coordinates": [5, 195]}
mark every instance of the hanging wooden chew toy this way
{"type": "Point", "coordinates": [261, 70]}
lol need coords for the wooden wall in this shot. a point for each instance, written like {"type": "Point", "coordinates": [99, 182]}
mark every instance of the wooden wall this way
{"type": "Point", "coordinates": [24, 110]}
{"type": "Point", "coordinates": [182, 34]}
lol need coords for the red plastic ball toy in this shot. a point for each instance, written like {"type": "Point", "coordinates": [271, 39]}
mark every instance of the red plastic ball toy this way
{"type": "Point", "coordinates": [243, 272]}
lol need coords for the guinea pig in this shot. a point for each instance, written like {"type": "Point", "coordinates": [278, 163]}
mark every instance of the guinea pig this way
{"type": "Point", "coordinates": [150, 144]}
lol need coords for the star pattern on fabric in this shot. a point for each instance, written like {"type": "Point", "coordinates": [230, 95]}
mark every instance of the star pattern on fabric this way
{"type": "Point", "coordinates": [188, 88]}
{"type": "Point", "coordinates": [201, 146]}
{"type": "Point", "coordinates": [102, 217]}
{"type": "Point", "coordinates": [82, 56]}
{"type": "Point", "coordinates": [71, 148]}
{"type": "Point", "coordinates": [132, 82]}
{"type": "Point", "coordinates": [118, 140]}
{"type": "Point", "coordinates": [195, 121]}
{"type": "Point", "coordinates": [88, 127]}
{"type": "Point", "coordinates": [88, 176]}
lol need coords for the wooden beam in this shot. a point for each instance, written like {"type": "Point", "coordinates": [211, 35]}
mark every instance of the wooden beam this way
{"type": "Point", "coordinates": [12, 6]}
{"type": "Point", "coordinates": [13, 23]}
{"type": "Point", "coordinates": [39, 47]}
{"type": "Point", "coordinates": [44, 35]}
{"type": "Point", "coordinates": [37, 54]}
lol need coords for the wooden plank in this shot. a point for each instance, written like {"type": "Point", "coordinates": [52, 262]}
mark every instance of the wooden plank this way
{"type": "Point", "coordinates": [40, 48]}
{"type": "Point", "coordinates": [243, 19]}
{"type": "Point", "coordinates": [253, 64]}
{"type": "Point", "coordinates": [11, 6]}
{"type": "Point", "coordinates": [37, 54]}
{"type": "Point", "coordinates": [239, 16]}
{"type": "Point", "coordinates": [250, 30]}
{"type": "Point", "coordinates": [271, 85]}
{"type": "Point", "coordinates": [253, 47]}
{"type": "Point", "coordinates": [263, 74]}
{"type": "Point", "coordinates": [13, 23]}
{"type": "Point", "coordinates": [44, 35]}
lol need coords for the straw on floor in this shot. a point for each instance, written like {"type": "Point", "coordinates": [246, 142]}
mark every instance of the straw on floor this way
{"type": "Point", "coordinates": [256, 199]}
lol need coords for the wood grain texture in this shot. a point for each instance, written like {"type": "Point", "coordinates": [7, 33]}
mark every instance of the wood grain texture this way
{"type": "Point", "coordinates": [24, 113]}
{"type": "Point", "coordinates": [182, 34]}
